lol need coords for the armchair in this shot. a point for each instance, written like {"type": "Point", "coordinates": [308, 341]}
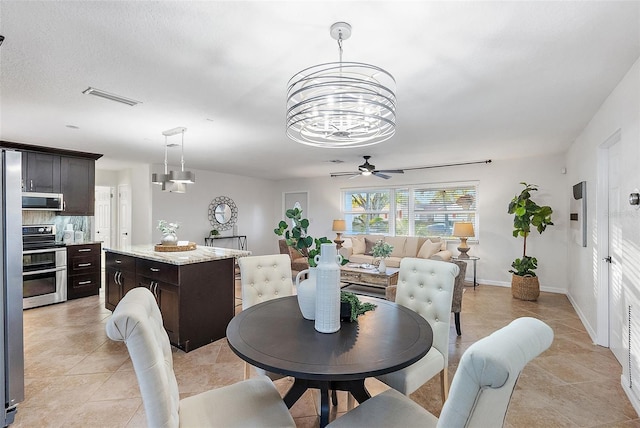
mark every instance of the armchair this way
{"type": "Point", "coordinates": [298, 261]}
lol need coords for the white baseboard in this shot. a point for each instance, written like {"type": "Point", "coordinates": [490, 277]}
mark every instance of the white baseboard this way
{"type": "Point", "coordinates": [506, 284]}
{"type": "Point", "coordinates": [590, 331]}
{"type": "Point", "coordinates": [624, 382]}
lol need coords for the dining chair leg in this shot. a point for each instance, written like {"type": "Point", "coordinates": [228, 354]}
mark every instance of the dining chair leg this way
{"type": "Point", "coordinates": [334, 397]}
{"type": "Point", "coordinates": [247, 371]}
{"type": "Point", "coordinates": [444, 379]}
{"type": "Point", "coordinates": [351, 402]}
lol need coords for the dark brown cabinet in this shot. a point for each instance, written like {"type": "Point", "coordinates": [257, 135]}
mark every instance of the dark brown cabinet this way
{"type": "Point", "coordinates": [40, 172]}
{"type": "Point", "coordinates": [196, 299]}
{"type": "Point", "coordinates": [77, 184]}
{"type": "Point", "coordinates": [83, 270]}
{"type": "Point", "coordinates": [120, 277]}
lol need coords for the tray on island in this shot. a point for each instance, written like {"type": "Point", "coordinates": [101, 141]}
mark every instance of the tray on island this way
{"type": "Point", "coordinates": [170, 248]}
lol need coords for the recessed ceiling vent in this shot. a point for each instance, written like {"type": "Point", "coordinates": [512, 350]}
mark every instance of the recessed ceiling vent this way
{"type": "Point", "coordinates": [108, 96]}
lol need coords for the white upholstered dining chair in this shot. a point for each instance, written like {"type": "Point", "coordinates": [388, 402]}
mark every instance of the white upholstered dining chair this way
{"type": "Point", "coordinates": [137, 321]}
{"type": "Point", "coordinates": [481, 389]}
{"type": "Point", "coordinates": [426, 287]}
{"type": "Point", "coordinates": [264, 278]}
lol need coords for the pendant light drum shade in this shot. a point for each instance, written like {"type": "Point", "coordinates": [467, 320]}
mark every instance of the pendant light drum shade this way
{"type": "Point", "coordinates": [341, 104]}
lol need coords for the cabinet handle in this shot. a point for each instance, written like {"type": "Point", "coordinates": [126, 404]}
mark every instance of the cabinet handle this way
{"type": "Point", "coordinates": [115, 278]}
{"type": "Point", "coordinates": [64, 205]}
{"type": "Point", "coordinates": [84, 282]}
{"type": "Point", "coordinates": [88, 250]}
{"type": "Point", "coordinates": [84, 264]}
{"type": "Point", "coordinates": [118, 261]}
{"type": "Point", "coordinates": [119, 279]}
{"type": "Point", "coordinates": [154, 269]}
{"type": "Point", "coordinates": [31, 185]}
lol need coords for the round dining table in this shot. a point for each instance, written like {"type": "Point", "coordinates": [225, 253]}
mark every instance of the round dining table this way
{"type": "Point", "coordinates": [274, 336]}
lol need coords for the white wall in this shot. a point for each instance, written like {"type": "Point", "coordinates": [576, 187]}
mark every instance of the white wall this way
{"type": "Point", "coordinates": [621, 111]}
{"type": "Point", "coordinates": [255, 199]}
{"type": "Point", "coordinates": [499, 182]}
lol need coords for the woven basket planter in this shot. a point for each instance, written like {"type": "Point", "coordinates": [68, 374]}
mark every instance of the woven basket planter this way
{"type": "Point", "coordinates": [525, 287]}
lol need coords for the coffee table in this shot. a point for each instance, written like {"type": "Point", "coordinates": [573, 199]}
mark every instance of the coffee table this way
{"type": "Point", "coordinates": [273, 335]}
{"type": "Point", "coordinates": [367, 281]}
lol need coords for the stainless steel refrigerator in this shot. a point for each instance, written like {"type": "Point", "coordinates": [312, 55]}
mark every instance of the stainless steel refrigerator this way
{"type": "Point", "coordinates": [11, 337]}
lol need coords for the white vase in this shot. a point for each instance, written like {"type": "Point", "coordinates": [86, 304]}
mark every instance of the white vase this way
{"type": "Point", "coordinates": [328, 289]}
{"type": "Point", "coordinates": [382, 267]}
{"type": "Point", "coordinates": [169, 239]}
{"type": "Point", "coordinates": [306, 290]}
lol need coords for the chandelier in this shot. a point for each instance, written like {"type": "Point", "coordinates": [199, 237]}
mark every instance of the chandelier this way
{"type": "Point", "coordinates": [174, 181]}
{"type": "Point", "coordinates": [341, 104]}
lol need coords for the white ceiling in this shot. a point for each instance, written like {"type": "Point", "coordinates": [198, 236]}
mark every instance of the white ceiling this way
{"type": "Point", "coordinates": [475, 80]}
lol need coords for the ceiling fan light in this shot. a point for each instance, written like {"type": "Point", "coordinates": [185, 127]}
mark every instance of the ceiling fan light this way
{"type": "Point", "coordinates": [184, 177]}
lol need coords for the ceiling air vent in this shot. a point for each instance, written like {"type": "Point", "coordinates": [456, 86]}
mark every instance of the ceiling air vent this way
{"type": "Point", "coordinates": [106, 95]}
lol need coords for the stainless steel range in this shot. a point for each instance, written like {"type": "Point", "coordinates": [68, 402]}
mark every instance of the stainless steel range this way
{"type": "Point", "coordinates": [44, 266]}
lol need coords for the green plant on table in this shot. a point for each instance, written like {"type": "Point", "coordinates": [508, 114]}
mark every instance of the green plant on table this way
{"type": "Point", "coordinates": [382, 249]}
{"type": "Point", "coordinates": [357, 307]}
{"type": "Point", "coordinates": [214, 232]}
{"type": "Point", "coordinates": [298, 238]}
{"type": "Point", "coordinates": [166, 227]}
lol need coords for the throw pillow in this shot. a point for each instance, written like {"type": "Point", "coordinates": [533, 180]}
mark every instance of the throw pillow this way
{"type": "Point", "coordinates": [428, 249]}
{"type": "Point", "coordinates": [369, 246]}
{"type": "Point", "coordinates": [358, 244]}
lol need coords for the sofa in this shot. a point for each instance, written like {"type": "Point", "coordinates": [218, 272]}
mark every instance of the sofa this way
{"type": "Point", "coordinates": [357, 248]}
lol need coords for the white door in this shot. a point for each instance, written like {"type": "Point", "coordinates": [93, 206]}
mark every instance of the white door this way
{"type": "Point", "coordinates": [124, 215]}
{"type": "Point", "coordinates": [103, 216]}
{"type": "Point", "coordinates": [617, 312]}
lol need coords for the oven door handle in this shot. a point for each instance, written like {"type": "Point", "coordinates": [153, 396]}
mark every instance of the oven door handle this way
{"type": "Point", "coordinates": [36, 272]}
{"type": "Point", "coordinates": [44, 250]}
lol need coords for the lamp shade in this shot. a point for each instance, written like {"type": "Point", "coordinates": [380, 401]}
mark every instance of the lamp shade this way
{"type": "Point", "coordinates": [339, 226]}
{"type": "Point", "coordinates": [463, 229]}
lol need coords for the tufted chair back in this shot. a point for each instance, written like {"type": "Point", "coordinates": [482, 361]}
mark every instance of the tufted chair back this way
{"type": "Point", "coordinates": [426, 287]}
{"type": "Point", "coordinates": [137, 322]}
{"type": "Point", "coordinates": [264, 278]}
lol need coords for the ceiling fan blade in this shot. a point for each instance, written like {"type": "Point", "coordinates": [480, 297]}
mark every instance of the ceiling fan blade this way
{"type": "Point", "coordinates": [391, 171]}
{"type": "Point", "coordinates": [343, 174]}
{"type": "Point", "coordinates": [378, 174]}
{"type": "Point", "coordinates": [355, 176]}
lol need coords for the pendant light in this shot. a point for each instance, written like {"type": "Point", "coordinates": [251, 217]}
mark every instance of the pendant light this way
{"type": "Point", "coordinates": [173, 181]}
{"type": "Point", "coordinates": [341, 104]}
{"type": "Point", "coordinates": [182, 176]}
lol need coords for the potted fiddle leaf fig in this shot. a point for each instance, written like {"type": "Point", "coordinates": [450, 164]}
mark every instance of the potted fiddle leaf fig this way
{"type": "Point", "coordinates": [297, 236]}
{"type": "Point", "coordinates": [527, 214]}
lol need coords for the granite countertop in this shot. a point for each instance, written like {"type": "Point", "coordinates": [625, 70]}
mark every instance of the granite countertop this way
{"type": "Point", "coordinates": [199, 255]}
{"type": "Point", "coordinates": [68, 244]}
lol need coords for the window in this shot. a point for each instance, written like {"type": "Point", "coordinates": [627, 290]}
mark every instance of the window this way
{"type": "Point", "coordinates": [421, 210]}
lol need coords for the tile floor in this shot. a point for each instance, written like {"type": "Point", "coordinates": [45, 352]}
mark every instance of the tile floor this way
{"type": "Point", "coordinates": [75, 376]}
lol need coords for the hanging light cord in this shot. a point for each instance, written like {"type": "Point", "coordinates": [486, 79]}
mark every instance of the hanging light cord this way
{"type": "Point", "coordinates": [182, 154]}
{"type": "Point", "coordinates": [166, 169]}
{"type": "Point", "coordinates": [340, 45]}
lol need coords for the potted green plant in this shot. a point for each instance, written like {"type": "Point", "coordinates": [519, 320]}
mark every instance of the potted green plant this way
{"type": "Point", "coordinates": [381, 250]}
{"type": "Point", "coordinates": [297, 236]}
{"type": "Point", "coordinates": [351, 307]}
{"type": "Point", "coordinates": [168, 230]}
{"type": "Point", "coordinates": [214, 233]}
{"type": "Point", "coordinates": [527, 213]}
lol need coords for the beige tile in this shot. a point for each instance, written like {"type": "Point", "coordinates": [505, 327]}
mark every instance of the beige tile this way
{"type": "Point", "coordinates": [74, 375]}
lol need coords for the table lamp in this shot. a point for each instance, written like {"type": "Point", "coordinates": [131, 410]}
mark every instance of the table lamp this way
{"type": "Point", "coordinates": [463, 230]}
{"type": "Point", "coordinates": [339, 226]}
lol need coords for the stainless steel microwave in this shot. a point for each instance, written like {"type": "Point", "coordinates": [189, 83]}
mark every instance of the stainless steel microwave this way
{"type": "Point", "coordinates": [42, 201]}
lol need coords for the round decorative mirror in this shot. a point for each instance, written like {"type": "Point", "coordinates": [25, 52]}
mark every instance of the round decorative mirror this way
{"type": "Point", "coordinates": [223, 213]}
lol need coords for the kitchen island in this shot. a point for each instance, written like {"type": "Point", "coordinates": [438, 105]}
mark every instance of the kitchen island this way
{"type": "Point", "coordinates": [194, 289]}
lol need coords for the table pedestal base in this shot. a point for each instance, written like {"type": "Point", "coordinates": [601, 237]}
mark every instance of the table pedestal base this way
{"type": "Point", "coordinates": [354, 387]}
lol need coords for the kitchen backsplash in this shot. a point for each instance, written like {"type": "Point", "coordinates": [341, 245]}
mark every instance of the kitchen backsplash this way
{"type": "Point", "coordinates": [80, 223]}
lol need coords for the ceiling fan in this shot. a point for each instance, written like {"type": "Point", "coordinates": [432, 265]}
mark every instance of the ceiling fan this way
{"type": "Point", "coordinates": [367, 169]}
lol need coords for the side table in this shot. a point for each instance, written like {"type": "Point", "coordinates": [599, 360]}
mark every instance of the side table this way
{"type": "Point", "coordinates": [473, 259]}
